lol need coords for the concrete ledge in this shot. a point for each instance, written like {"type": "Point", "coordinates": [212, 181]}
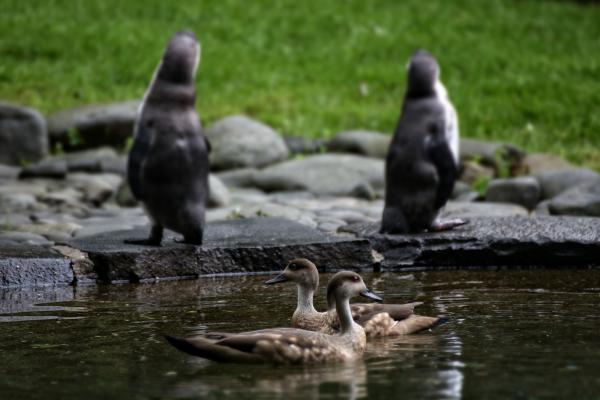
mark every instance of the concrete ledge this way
{"type": "Point", "coordinates": [501, 241]}
{"type": "Point", "coordinates": [239, 246]}
{"type": "Point", "coordinates": [33, 266]}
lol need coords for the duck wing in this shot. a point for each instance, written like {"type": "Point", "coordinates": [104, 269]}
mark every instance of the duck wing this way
{"type": "Point", "coordinates": [363, 312]}
{"type": "Point", "coordinates": [281, 345]}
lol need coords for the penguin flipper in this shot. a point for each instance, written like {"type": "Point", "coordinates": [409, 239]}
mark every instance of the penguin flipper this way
{"type": "Point", "coordinates": [137, 155]}
{"type": "Point", "coordinates": [441, 155]}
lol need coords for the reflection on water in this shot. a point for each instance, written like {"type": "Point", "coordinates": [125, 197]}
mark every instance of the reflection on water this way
{"type": "Point", "coordinates": [512, 334]}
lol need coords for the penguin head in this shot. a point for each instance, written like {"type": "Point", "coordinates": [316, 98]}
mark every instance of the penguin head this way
{"type": "Point", "coordinates": [423, 73]}
{"type": "Point", "coordinates": [181, 58]}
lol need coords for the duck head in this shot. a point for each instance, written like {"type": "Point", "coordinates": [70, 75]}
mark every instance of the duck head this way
{"type": "Point", "coordinates": [300, 271]}
{"type": "Point", "coordinates": [345, 285]}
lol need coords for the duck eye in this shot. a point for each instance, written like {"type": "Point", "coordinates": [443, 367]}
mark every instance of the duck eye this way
{"type": "Point", "coordinates": [355, 278]}
{"type": "Point", "coordinates": [293, 267]}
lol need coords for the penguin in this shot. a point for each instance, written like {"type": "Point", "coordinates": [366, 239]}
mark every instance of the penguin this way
{"type": "Point", "coordinates": [168, 165]}
{"type": "Point", "coordinates": [422, 161]}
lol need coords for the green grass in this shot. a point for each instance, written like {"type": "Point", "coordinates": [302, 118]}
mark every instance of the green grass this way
{"type": "Point", "coordinates": [522, 71]}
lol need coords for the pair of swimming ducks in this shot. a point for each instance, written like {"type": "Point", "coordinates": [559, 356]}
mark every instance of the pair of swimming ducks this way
{"type": "Point", "coordinates": [336, 335]}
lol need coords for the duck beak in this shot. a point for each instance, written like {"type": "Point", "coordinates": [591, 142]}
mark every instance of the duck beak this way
{"type": "Point", "coordinates": [278, 279]}
{"type": "Point", "coordinates": [370, 295]}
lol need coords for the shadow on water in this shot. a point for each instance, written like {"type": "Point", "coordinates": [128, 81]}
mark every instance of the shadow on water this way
{"type": "Point", "coordinates": [515, 334]}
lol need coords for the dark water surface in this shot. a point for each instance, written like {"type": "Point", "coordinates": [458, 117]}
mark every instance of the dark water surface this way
{"type": "Point", "coordinates": [513, 334]}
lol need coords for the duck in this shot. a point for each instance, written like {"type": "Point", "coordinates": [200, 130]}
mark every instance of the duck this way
{"type": "Point", "coordinates": [291, 345]}
{"type": "Point", "coordinates": [378, 320]}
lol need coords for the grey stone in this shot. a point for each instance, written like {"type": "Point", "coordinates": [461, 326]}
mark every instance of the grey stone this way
{"type": "Point", "coordinates": [536, 163]}
{"type": "Point", "coordinates": [50, 168]}
{"type": "Point", "coordinates": [26, 238]}
{"type": "Point", "coordinates": [246, 195]}
{"type": "Point", "coordinates": [363, 190]}
{"type": "Point", "coordinates": [543, 208]}
{"type": "Point", "coordinates": [93, 125]}
{"type": "Point", "coordinates": [583, 199]}
{"type": "Point", "coordinates": [366, 143]}
{"type": "Point", "coordinates": [91, 160]}
{"type": "Point", "coordinates": [23, 135]}
{"type": "Point", "coordinates": [324, 174]}
{"type": "Point", "coordinates": [57, 232]}
{"type": "Point", "coordinates": [491, 242]}
{"type": "Point", "coordinates": [27, 265]}
{"type": "Point", "coordinates": [245, 245]}
{"type": "Point", "coordinates": [219, 194]}
{"type": "Point", "coordinates": [9, 172]}
{"type": "Point", "coordinates": [460, 188]}
{"type": "Point", "coordinates": [490, 153]}
{"type": "Point", "coordinates": [239, 141]}
{"type": "Point", "coordinates": [473, 210]}
{"type": "Point", "coordinates": [302, 145]}
{"type": "Point", "coordinates": [555, 182]}
{"type": "Point", "coordinates": [17, 201]}
{"type": "Point", "coordinates": [468, 197]}
{"type": "Point", "coordinates": [241, 177]}
{"type": "Point", "coordinates": [97, 188]}
{"type": "Point", "coordinates": [524, 191]}
{"type": "Point", "coordinates": [68, 196]}
{"type": "Point", "coordinates": [124, 196]}
{"type": "Point", "coordinates": [473, 172]}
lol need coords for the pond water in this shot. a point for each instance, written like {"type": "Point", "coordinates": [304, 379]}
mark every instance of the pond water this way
{"type": "Point", "coordinates": [512, 334]}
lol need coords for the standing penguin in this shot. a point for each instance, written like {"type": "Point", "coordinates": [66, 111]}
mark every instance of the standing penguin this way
{"type": "Point", "coordinates": [422, 161]}
{"type": "Point", "coordinates": [168, 163]}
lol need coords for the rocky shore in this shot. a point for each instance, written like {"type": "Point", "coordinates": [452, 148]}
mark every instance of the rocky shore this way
{"type": "Point", "coordinates": [63, 195]}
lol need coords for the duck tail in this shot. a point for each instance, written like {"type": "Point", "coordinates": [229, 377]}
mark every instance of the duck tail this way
{"type": "Point", "coordinates": [418, 323]}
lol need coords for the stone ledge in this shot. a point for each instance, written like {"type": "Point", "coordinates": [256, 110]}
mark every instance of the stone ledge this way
{"type": "Point", "coordinates": [22, 265]}
{"type": "Point", "coordinates": [239, 246]}
{"type": "Point", "coordinates": [492, 242]}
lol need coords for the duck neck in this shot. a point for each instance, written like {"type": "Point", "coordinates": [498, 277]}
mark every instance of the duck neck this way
{"type": "Point", "coordinates": [305, 300]}
{"type": "Point", "coordinates": [342, 306]}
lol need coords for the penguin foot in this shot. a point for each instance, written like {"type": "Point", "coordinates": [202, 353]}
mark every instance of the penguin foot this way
{"type": "Point", "coordinates": [441, 225]}
{"type": "Point", "coordinates": [143, 242]}
{"type": "Point", "coordinates": [187, 241]}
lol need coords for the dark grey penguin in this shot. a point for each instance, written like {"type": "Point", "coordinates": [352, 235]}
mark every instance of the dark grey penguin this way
{"type": "Point", "coordinates": [168, 162]}
{"type": "Point", "coordinates": [422, 161]}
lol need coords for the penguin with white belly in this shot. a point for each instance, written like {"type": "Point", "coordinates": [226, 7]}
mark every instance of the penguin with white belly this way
{"type": "Point", "coordinates": [168, 163]}
{"type": "Point", "coordinates": [422, 161]}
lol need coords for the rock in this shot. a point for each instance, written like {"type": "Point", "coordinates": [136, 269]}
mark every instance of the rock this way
{"type": "Point", "coordinates": [9, 172]}
{"type": "Point", "coordinates": [493, 154]}
{"type": "Point", "coordinates": [244, 245]}
{"type": "Point", "coordinates": [114, 165]}
{"type": "Point", "coordinates": [491, 242]}
{"type": "Point", "coordinates": [23, 135]}
{"type": "Point", "coordinates": [363, 190]}
{"type": "Point", "coordinates": [97, 188]}
{"type": "Point", "coordinates": [474, 210]}
{"type": "Point", "coordinates": [459, 189]}
{"type": "Point", "coordinates": [26, 265]}
{"type": "Point", "coordinates": [17, 201]}
{"type": "Point", "coordinates": [543, 208]}
{"type": "Point", "coordinates": [66, 196]}
{"type": "Point", "coordinates": [302, 145]}
{"type": "Point", "coordinates": [553, 183]}
{"type": "Point", "coordinates": [524, 191]}
{"type": "Point", "coordinates": [57, 232]}
{"type": "Point", "coordinates": [247, 195]}
{"type": "Point", "coordinates": [323, 174]}
{"type": "Point", "coordinates": [34, 187]}
{"type": "Point", "coordinates": [241, 177]}
{"type": "Point", "coordinates": [124, 196]}
{"type": "Point", "coordinates": [537, 163]}
{"type": "Point", "coordinates": [583, 199]}
{"type": "Point", "coordinates": [473, 172]}
{"type": "Point", "coordinates": [93, 125]}
{"type": "Point", "coordinates": [50, 168]}
{"type": "Point", "coordinates": [26, 238]}
{"type": "Point", "coordinates": [90, 160]}
{"type": "Point", "coordinates": [219, 194]}
{"type": "Point", "coordinates": [366, 143]}
{"type": "Point", "coordinates": [239, 141]}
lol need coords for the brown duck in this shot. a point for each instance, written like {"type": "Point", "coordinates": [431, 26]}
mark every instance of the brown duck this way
{"type": "Point", "coordinates": [291, 345]}
{"type": "Point", "coordinates": [378, 320]}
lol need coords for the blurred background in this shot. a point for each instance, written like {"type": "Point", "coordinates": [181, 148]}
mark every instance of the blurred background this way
{"type": "Point", "coordinates": [522, 71]}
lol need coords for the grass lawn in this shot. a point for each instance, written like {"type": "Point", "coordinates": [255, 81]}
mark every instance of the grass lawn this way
{"type": "Point", "coordinates": [524, 71]}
